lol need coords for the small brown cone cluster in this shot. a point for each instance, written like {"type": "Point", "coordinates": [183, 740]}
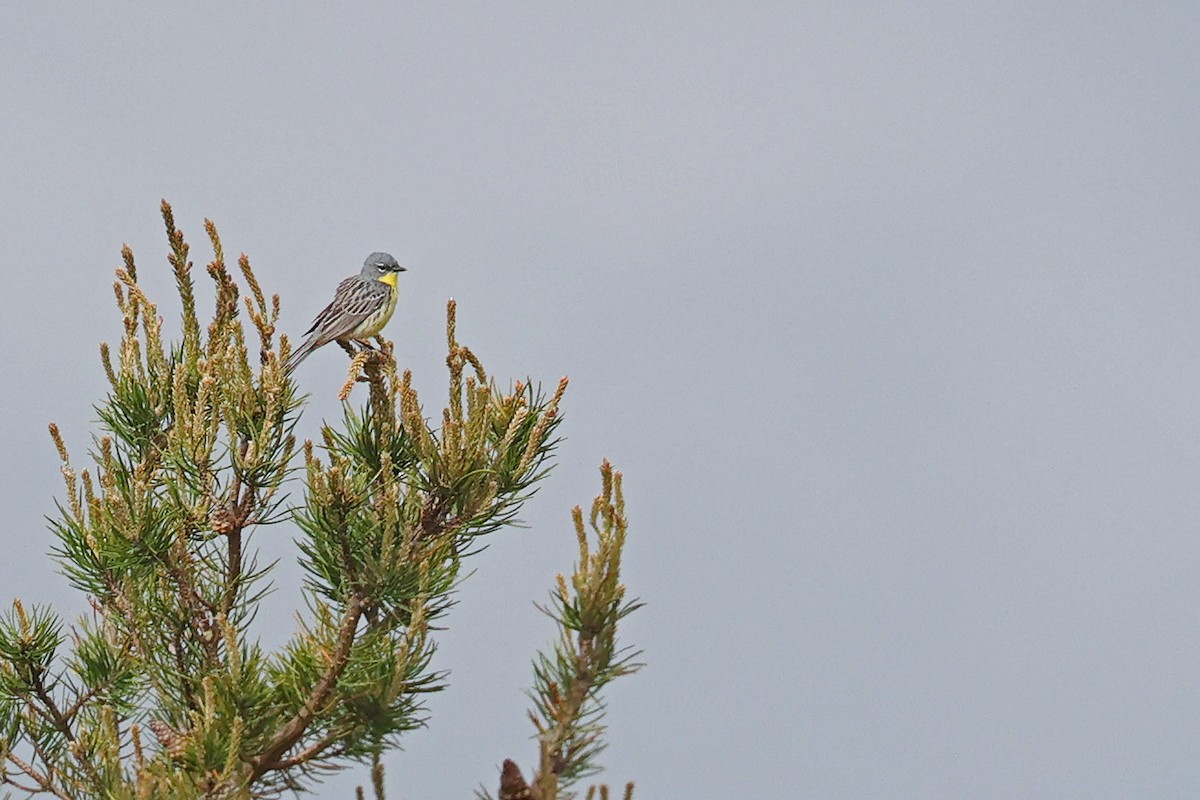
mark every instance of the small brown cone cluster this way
{"type": "Point", "coordinates": [512, 782]}
{"type": "Point", "coordinates": [172, 742]}
{"type": "Point", "coordinates": [222, 521]}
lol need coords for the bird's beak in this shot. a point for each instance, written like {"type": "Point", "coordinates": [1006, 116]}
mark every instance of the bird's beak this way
{"type": "Point", "coordinates": [400, 269]}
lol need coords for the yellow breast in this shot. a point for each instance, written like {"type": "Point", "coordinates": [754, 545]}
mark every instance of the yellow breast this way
{"type": "Point", "coordinates": [373, 324]}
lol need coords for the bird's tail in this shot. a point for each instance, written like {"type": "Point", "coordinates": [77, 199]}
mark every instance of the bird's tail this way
{"type": "Point", "coordinates": [300, 353]}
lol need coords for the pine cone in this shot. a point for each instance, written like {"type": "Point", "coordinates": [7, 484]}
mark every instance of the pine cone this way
{"type": "Point", "coordinates": [172, 741]}
{"type": "Point", "coordinates": [222, 521]}
{"type": "Point", "coordinates": [512, 782]}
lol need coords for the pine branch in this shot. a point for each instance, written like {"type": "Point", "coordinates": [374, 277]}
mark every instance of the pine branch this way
{"type": "Point", "coordinates": [568, 712]}
{"type": "Point", "coordinates": [52, 711]}
{"type": "Point", "coordinates": [195, 449]}
{"type": "Point", "coordinates": [44, 784]}
{"type": "Point", "coordinates": [291, 732]}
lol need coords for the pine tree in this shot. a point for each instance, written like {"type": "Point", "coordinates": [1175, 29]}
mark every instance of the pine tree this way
{"type": "Point", "coordinates": [163, 690]}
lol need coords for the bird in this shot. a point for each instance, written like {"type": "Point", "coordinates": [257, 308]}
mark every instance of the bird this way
{"type": "Point", "coordinates": [361, 306]}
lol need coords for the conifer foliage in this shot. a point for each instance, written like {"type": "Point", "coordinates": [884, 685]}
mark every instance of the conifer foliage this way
{"type": "Point", "coordinates": [163, 691]}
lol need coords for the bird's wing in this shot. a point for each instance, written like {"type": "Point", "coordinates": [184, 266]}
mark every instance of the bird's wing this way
{"type": "Point", "coordinates": [354, 301]}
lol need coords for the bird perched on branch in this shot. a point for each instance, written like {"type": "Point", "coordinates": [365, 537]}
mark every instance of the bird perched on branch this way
{"type": "Point", "coordinates": [362, 305]}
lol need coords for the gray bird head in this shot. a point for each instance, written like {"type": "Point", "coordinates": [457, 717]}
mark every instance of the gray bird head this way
{"type": "Point", "coordinates": [378, 265]}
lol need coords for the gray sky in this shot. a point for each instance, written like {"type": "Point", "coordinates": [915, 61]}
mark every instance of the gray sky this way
{"type": "Point", "coordinates": [887, 313]}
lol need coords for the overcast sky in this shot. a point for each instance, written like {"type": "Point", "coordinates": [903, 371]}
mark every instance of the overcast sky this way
{"type": "Point", "coordinates": [887, 312]}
